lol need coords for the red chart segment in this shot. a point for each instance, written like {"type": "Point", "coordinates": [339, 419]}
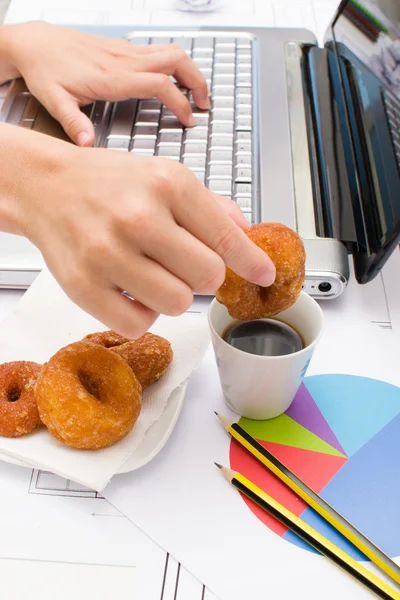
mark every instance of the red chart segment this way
{"type": "Point", "coordinates": [316, 469]}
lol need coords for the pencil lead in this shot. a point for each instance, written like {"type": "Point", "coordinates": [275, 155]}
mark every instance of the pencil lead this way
{"type": "Point", "coordinates": [218, 465]}
{"type": "Point", "coordinates": [215, 413]}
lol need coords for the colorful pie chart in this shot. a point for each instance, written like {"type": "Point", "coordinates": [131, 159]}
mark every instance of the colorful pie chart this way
{"type": "Point", "coordinates": [341, 436]}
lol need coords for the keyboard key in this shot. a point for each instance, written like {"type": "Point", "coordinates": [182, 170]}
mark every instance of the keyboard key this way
{"type": "Point", "coordinates": [144, 144]}
{"type": "Point", "coordinates": [243, 159]}
{"type": "Point", "coordinates": [196, 133]}
{"type": "Point", "coordinates": [171, 137]}
{"type": "Point", "coordinates": [206, 72]}
{"type": "Point", "coordinates": [225, 40]}
{"type": "Point", "coordinates": [222, 127]}
{"type": "Point", "coordinates": [220, 156]}
{"type": "Point", "coordinates": [147, 117]}
{"type": "Point", "coordinates": [195, 162]}
{"type": "Point", "coordinates": [203, 63]}
{"type": "Point", "coordinates": [151, 104]}
{"type": "Point", "coordinates": [224, 170]}
{"type": "Point", "coordinates": [167, 124]}
{"type": "Point", "coordinates": [145, 131]}
{"type": "Point", "coordinates": [243, 80]}
{"type": "Point", "coordinates": [32, 107]}
{"type": "Point", "coordinates": [243, 189]}
{"type": "Point", "coordinates": [242, 174]}
{"type": "Point", "coordinates": [224, 69]}
{"type": "Point", "coordinates": [223, 102]}
{"type": "Point", "coordinates": [224, 58]}
{"type": "Point", "coordinates": [243, 53]}
{"type": "Point", "coordinates": [243, 68]}
{"type": "Point", "coordinates": [118, 143]}
{"type": "Point", "coordinates": [243, 124]}
{"type": "Point", "coordinates": [222, 114]}
{"type": "Point", "coordinates": [168, 150]}
{"type": "Point", "coordinates": [225, 45]}
{"type": "Point", "coordinates": [244, 110]}
{"type": "Point", "coordinates": [221, 141]}
{"type": "Point", "coordinates": [194, 147]}
{"type": "Point", "coordinates": [202, 53]}
{"type": "Point", "coordinates": [202, 119]}
{"type": "Point", "coordinates": [17, 108]}
{"type": "Point", "coordinates": [220, 186]}
{"type": "Point", "coordinates": [248, 215]}
{"type": "Point", "coordinates": [223, 90]}
{"type": "Point", "coordinates": [243, 146]}
{"type": "Point", "coordinates": [203, 42]}
{"type": "Point", "coordinates": [224, 80]}
{"type": "Point", "coordinates": [122, 118]}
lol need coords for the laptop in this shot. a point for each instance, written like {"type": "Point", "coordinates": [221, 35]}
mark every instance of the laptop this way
{"type": "Point", "coordinates": [300, 134]}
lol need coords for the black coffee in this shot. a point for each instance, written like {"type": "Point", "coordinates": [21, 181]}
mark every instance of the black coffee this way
{"type": "Point", "coordinates": [265, 337]}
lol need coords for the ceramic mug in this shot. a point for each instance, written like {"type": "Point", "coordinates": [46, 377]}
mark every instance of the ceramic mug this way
{"type": "Point", "coordinates": [263, 387]}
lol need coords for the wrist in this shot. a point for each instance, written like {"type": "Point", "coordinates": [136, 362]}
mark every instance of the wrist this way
{"type": "Point", "coordinates": [30, 161]}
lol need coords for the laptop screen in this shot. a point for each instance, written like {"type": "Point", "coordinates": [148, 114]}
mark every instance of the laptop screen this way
{"type": "Point", "coordinates": [367, 39]}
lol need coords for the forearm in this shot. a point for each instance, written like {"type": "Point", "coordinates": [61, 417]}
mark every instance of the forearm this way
{"type": "Point", "coordinates": [8, 69]}
{"type": "Point", "coordinates": [28, 160]}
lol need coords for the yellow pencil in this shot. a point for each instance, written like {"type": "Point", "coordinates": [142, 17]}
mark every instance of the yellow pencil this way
{"type": "Point", "coordinates": [375, 554]}
{"type": "Point", "coordinates": [309, 535]}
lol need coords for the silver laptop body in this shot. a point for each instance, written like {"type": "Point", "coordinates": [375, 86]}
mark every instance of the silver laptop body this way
{"type": "Point", "coordinates": [254, 145]}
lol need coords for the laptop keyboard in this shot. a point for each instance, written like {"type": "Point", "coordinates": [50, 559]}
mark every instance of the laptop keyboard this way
{"type": "Point", "coordinates": [392, 108]}
{"type": "Point", "coordinates": [218, 150]}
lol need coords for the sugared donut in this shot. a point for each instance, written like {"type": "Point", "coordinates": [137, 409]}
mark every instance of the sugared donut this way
{"type": "Point", "coordinates": [18, 411]}
{"type": "Point", "coordinates": [246, 300]}
{"type": "Point", "coordinates": [108, 339]}
{"type": "Point", "coordinates": [149, 357]}
{"type": "Point", "coordinates": [88, 397]}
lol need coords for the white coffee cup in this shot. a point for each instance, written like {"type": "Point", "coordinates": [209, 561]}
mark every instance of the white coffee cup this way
{"type": "Point", "coordinates": [263, 387]}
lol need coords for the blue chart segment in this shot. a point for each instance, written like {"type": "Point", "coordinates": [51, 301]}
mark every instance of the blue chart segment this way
{"type": "Point", "coordinates": [364, 415]}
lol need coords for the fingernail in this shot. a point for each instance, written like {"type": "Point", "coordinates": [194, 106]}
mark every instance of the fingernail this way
{"type": "Point", "coordinates": [268, 278]}
{"type": "Point", "coordinates": [209, 93]}
{"type": "Point", "coordinates": [192, 121]}
{"type": "Point", "coordinates": [83, 138]}
{"type": "Point", "coordinates": [208, 103]}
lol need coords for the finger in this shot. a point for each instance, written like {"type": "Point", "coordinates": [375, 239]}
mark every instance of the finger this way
{"type": "Point", "coordinates": [75, 123]}
{"type": "Point", "coordinates": [233, 210]}
{"type": "Point", "coordinates": [185, 256]}
{"type": "Point", "coordinates": [152, 285]}
{"type": "Point", "coordinates": [127, 317]}
{"type": "Point", "coordinates": [208, 222]}
{"type": "Point", "coordinates": [146, 85]}
{"type": "Point", "coordinates": [177, 63]}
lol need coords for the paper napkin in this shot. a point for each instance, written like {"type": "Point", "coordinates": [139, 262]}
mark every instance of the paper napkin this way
{"type": "Point", "coordinates": [46, 320]}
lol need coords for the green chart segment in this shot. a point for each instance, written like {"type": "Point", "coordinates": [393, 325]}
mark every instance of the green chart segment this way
{"type": "Point", "coordinates": [342, 437]}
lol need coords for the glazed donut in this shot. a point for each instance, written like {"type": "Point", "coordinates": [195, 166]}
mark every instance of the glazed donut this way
{"type": "Point", "coordinates": [108, 339]}
{"type": "Point", "coordinates": [87, 396]}
{"type": "Point", "coordinates": [149, 357]}
{"type": "Point", "coordinates": [18, 411]}
{"type": "Point", "coordinates": [246, 300]}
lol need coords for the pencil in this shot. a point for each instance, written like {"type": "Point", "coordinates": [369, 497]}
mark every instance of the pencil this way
{"type": "Point", "coordinates": [359, 540]}
{"type": "Point", "coordinates": [309, 535]}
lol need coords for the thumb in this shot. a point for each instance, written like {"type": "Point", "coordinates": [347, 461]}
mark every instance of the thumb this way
{"type": "Point", "coordinates": [74, 122]}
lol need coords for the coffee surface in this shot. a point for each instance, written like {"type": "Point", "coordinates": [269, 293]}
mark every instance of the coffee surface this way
{"type": "Point", "coordinates": [265, 337]}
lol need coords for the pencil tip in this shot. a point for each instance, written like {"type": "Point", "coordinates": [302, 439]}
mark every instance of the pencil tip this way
{"type": "Point", "coordinates": [218, 465]}
{"type": "Point", "coordinates": [215, 413]}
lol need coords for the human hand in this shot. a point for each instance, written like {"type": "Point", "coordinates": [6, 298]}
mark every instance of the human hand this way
{"type": "Point", "coordinates": [108, 222]}
{"type": "Point", "coordinates": [65, 69]}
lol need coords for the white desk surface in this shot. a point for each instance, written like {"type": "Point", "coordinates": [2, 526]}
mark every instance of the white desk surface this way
{"type": "Point", "coordinates": [34, 548]}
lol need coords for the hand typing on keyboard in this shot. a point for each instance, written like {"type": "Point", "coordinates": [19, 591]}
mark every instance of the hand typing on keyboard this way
{"type": "Point", "coordinates": [65, 69]}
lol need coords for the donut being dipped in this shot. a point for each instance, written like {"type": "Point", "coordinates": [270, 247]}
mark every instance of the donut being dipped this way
{"type": "Point", "coordinates": [108, 339]}
{"type": "Point", "coordinates": [149, 357]}
{"type": "Point", "coordinates": [18, 411]}
{"type": "Point", "coordinates": [88, 397]}
{"type": "Point", "coordinates": [245, 300]}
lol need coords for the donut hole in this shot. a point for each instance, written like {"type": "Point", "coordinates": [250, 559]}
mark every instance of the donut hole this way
{"type": "Point", "coordinates": [14, 393]}
{"type": "Point", "coordinates": [89, 383]}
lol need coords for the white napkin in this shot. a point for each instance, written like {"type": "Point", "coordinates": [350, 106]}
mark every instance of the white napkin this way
{"type": "Point", "coordinates": [46, 320]}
